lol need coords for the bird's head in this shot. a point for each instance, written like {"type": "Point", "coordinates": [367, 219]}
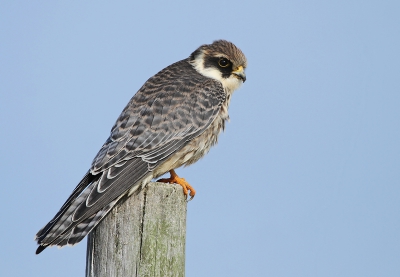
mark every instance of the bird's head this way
{"type": "Point", "coordinates": [222, 61]}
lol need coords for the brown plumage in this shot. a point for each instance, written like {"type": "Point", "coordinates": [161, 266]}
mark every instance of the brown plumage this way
{"type": "Point", "coordinates": [173, 120]}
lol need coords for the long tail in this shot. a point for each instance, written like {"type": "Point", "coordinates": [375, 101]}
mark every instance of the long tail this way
{"type": "Point", "coordinates": [74, 235]}
{"type": "Point", "coordinates": [90, 202]}
{"type": "Point", "coordinates": [62, 229]}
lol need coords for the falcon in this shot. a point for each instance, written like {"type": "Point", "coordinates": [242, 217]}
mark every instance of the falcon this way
{"type": "Point", "coordinates": [172, 121]}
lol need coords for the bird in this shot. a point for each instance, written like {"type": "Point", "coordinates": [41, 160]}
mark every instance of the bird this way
{"type": "Point", "coordinates": [173, 120]}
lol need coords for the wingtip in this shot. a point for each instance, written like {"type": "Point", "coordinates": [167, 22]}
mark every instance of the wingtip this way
{"type": "Point", "coordinates": [40, 249]}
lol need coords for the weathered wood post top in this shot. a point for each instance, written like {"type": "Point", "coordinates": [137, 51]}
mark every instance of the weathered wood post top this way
{"type": "Point", "coordinates": [144, 235]}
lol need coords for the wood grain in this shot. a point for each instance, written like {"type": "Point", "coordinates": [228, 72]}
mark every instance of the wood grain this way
{"type": "Point", "coordinates": [144, 235]}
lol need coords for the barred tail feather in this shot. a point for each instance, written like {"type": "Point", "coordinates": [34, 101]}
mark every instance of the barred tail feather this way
{"type": "Point", "coordinates": [90, 202]}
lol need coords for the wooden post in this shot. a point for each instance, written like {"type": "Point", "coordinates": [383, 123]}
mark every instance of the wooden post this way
{"type": "Point", "coordinates": [144, 235]}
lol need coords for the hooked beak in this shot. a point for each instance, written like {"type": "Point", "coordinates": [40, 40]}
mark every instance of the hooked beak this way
{"type": "Point", "coordinates": [239, 73]}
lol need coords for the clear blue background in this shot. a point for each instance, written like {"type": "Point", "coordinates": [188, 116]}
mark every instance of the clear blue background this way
{"type": "Point", "coordinates": [305, 180]}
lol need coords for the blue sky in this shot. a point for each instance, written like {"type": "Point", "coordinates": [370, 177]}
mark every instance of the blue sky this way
{"type": "Point", "coordinates": [305, 179]}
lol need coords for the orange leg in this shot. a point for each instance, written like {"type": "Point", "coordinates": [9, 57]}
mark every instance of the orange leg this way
{"type": "Point", "coordinates": [180, 181]}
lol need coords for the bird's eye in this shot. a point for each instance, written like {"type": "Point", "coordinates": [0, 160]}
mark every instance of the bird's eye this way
{"type": "Point", "coordinates": [223, 62]}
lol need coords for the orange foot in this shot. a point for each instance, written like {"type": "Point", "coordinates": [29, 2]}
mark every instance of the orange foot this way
{"type": "Point", "coordinates": [180, 181]}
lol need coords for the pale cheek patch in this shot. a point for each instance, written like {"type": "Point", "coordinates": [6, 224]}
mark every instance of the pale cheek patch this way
{"type": "Point", "coordinates": [210, 72]}
{"type": "Point", "coordinates": [213, 73]}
